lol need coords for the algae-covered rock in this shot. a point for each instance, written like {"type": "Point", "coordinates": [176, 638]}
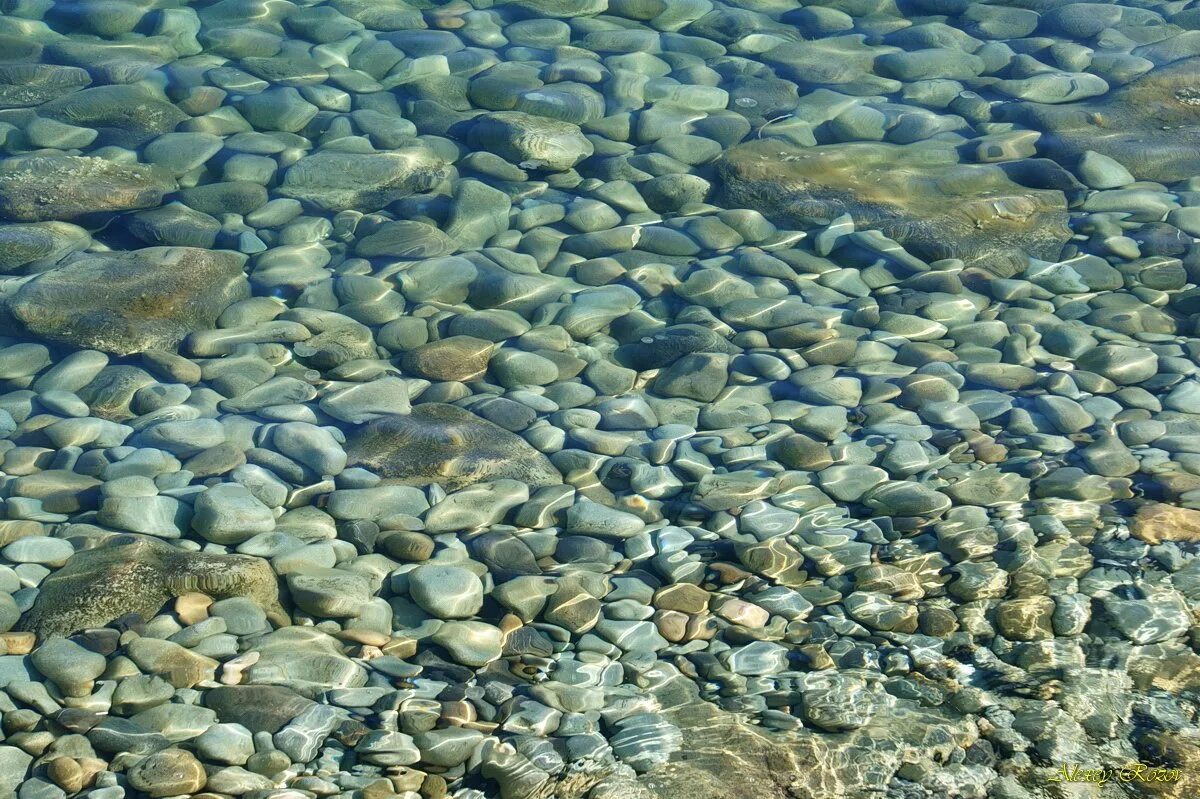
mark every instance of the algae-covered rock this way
{"type": "Point", "coordinates": [36, 188]}
{"type": "Point", "coordinates": [125, 115]}
{"type": "Point", "coordinates": [447, 445]}
{"type": "Point", "coordinates": [1150, 126]}
{"type": "Point", "coordinates": [134, 574]}
{"type": "Point", "coordinates": [919, 195]}
{"type": "Point", "coordinates": [125, 302]}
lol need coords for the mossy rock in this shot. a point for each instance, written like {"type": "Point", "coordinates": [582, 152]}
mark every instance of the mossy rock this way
{"type": "Point", "coordinates": [918, 195]}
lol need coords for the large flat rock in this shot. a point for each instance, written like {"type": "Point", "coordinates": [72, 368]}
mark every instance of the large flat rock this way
{"type": "Point", "coordinates": [125, 302]}
{"type": "Point", "coordinates": [38, 188]}
{"type": "Point", "coordinates": [335, 180]}
{"type": "Point", "coordinates": [1151, 125]}
{"type": "Point", "coordinates": [447, 445]}
{"type": "Point", "coordinates": [918, 194]}
{"type": "Point", "coordinates": [135, 574]}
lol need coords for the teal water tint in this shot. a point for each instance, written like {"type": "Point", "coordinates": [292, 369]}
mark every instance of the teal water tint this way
{"type": "Point", "coordinates": [620, 399]}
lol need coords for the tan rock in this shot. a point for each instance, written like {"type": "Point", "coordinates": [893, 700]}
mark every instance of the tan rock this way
{"type": "Point", "coordinates": [1156, 522]}
{"type": "Point", "coordinates": [453, 358]}
{"type": "Point", "coordinates": [66, 773]}
{"type": "Point", "coordinates": [18, 643]}
{"type": "Point", "coordinates": [683, 597]}
{"type": "Point", "coordinates": [192, 608]}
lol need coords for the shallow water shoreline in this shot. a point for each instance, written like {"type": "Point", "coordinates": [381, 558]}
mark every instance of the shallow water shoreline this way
{"type": "Point", "coordinates": [611, 399]}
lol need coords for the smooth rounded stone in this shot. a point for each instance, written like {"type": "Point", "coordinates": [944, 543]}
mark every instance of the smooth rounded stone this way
{"type": "Point", "coordinates": [114, 734]}
{"type": "Point", "coordinates": [697, 376]}
{"type": "Point", "coordinates": [525, 595]}
{"type": "Point", "coordinates": [405, 239]}
{"type": "Point", "coordinates": [668, 193]}
{"type": "Point", "coordinates": [257, 708]}
{"type": "Point", "coordinates": [448, 747]}
{"type": "Point", "coordinates": [46, 133]}
{"type": "Point", "coordinates": [586, 517]}
{"type": "Point", "coordinates": [494, 324]}
{"type": "Point", "coordinates": [1067, 415]}
{"type": "Point", "coordinates": [470, 643]}
{"type": "Point", "coordinates": [477, 213]}
{"type": "Point", "coordinates": [126, 115]}
{"type": "Point", "coordinates": [229, 514]}
{"type": "Point", "coordinates": [39, 549]}
{"type": "Point", "coordinates": [1121, 364]}
{"type": "Point", "coordinates": [337, 181]}
{"type": "Point", "coordinates": [444, 444]}
{"type": "Point", "coordinates": [1101, 172]}
{"type": "Point", "coordinates": [531, 142]}
{"type": "Point", "coordinates": [458, 358]}
{"type": "Point", "coordinates": [973, 212]}
{"type": "Point", "coordinates": [152, 298]}
{"type": "Point", "coordinates": [446, 592]}
{"type": "Point", "coordinates": [989, 487]}
{"type": "Point", "coordinates": [365, 402]}
{"type": "Point", "coordinates": [174, 224]}
{"type": "Point", "coordinates": [136, 575]}
{"type": "Point", "coordinates": [664, 347]}
{"type": "Point", "coordinates": [34, 188]}
{"type": "Point", "coordinates": [476, 506]}
{"type": "Point", "coordinates": [29, 84]}
{"type": "Point", "coordinates": [39, 242]}
{"type": "Point", "coordinates": [180, 153]}
{"type": "Point", "coordinates": [836, 702]}
{"type": "Point", "coordinates": [1152, 146]}
{"type": "Point", "coordinates": [68, 665]}
{"type": "Point", "coordinates": [10, 613]}
{"type": "Point", "coordinates": [280, 108]}
{"type": "Point", "coordinates": [851, 482]}
{"type": "Point", "coordinates": [515, 368]}
{"type": "Point", "coordinates": [386, 748]}
{"type": "Point", "coordinates": [242, 616]}
{"type": "Point", "coordinates": [906, 498]}
{"type": "Point", "coordinates": [304, 659]}
{"type": "Point", "coordinates": [312, 446]}
{"type": "Point", "coordinates": [185, 438]}
{"type": "Point", "coordinates": [1157, 615]}
{"type": "Point", "coordinates": [170, 772]}
{"type": "Point", "coordinates": [231, 744]}
{"type": "Point", "coordinates": [1156, 522]}
{"type": "Point", "coordinates": [329, 593]}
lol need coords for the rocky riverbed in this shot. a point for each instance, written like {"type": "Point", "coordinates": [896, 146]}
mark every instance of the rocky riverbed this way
{"type": "Point", "coordinates": [599, 399]}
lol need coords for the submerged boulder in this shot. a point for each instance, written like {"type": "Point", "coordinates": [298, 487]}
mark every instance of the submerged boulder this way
{"type": "Point", "coordinates": [137, 575]}
{"type": "Point", "coordinates": [37, 188]}
{"type": "Point", "coordinates": [125, 302]}
{"type": "Point", "coordinates": [447, 445]}
{"type": "Point", "coordinates": [919, 195]}
{"type": "Point", "coordinates": [1151, 126]}
{"type": "Point", "coordinates": [334, 180]}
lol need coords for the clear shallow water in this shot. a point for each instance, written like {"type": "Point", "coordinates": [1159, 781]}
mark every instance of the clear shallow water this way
{"type": "Point", "coordinates": [599, 399]}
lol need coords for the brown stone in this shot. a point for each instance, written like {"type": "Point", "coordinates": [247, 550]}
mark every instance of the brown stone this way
{"type": "Point", "coordinates": [671, 625]}
{"type": "Point", "coordinates": [18, 643]}
{"type": "Point", "coordinates": [1156, 522]}
{"type": "Point", "coordinates": [66, 773]}
{"type": "Point", "coordinates": [1027, 619]}
{"type": "Point", "coordinates": [683, 597]}
{"type": "Point", "coordinates": [457, 358]}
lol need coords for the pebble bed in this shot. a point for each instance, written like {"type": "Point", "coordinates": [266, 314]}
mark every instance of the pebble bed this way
{"type": "Point", "coordinates": [418, 399]}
